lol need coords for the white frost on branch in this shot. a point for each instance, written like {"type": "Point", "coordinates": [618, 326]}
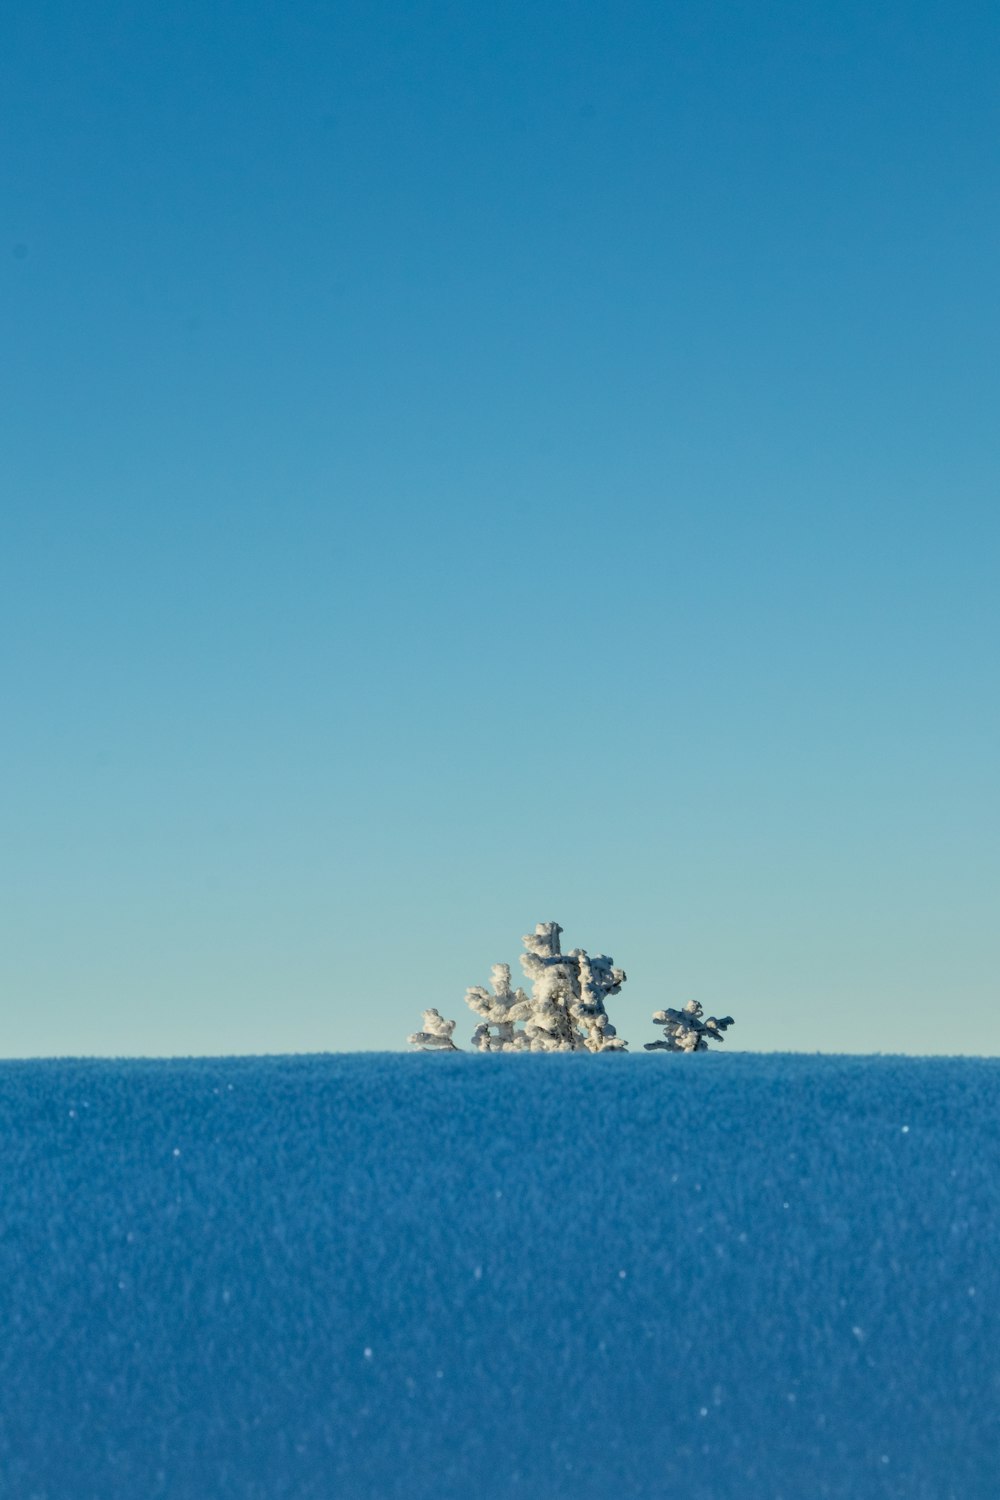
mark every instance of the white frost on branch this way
{"type": "Point", "coordinates": [686, 1031]}
{"type": "Point", "coordinates": [436, 1033]}
{"type": "Point", "coordinates": [565, 1011]}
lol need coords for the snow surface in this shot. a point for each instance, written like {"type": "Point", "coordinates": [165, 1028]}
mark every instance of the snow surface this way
{"type": "Point", "coordinates": [704, 1278]}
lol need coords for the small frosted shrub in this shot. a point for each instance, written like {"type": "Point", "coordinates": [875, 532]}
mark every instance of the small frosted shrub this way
{"type": "Point", "coordinates": [686, 1031]}
{"type": "Point", "coordinates": [436, 1034]}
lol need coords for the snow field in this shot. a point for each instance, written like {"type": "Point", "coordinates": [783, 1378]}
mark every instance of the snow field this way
{"type": "Point", "coordinates": [391, 1277]}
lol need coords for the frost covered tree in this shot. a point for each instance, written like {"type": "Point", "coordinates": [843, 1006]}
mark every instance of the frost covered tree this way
{"type": "Point", "coordinates": [565, 1011]}
{"type": "Point", "coordinates": [686, 1030]}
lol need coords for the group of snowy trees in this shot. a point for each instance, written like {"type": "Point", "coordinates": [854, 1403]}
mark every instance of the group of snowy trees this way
{"type": "Point", "coordinates": [565, 1011]}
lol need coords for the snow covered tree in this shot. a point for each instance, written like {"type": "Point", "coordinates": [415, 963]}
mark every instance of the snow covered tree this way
{"type": "Point", "coordinates": [501, 1011]}
{"type": "Point", "coordinates": [565, 1011]}
{"type": "Point", "coordinates": [686, 1031]}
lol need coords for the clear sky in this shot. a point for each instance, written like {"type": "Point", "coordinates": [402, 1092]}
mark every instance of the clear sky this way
{"type": "Point", "coordinates": [466, 465]}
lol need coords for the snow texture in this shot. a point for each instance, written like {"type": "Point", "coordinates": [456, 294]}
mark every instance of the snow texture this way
{"type": "Point", "coordinates": [431, 1277]}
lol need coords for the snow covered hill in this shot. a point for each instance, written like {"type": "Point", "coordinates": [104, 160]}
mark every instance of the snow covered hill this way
{"type": "Point", "coordinates": [403, 1277]}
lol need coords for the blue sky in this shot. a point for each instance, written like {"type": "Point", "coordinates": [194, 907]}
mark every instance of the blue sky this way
{"type": "Point", "coordinates": [467, 466]}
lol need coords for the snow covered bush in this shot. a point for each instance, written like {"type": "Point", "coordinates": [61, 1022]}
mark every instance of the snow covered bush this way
{"type": "Point", "coordinates": [686, 1031]}
{"type": "Point", "coordinates": [436, 1033]}
{"type": "Point", "coordinates": [565, 1011]}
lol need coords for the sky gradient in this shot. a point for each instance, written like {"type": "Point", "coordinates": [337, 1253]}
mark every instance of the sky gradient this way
{"type": "Point", "coordinates": [467, 466]}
